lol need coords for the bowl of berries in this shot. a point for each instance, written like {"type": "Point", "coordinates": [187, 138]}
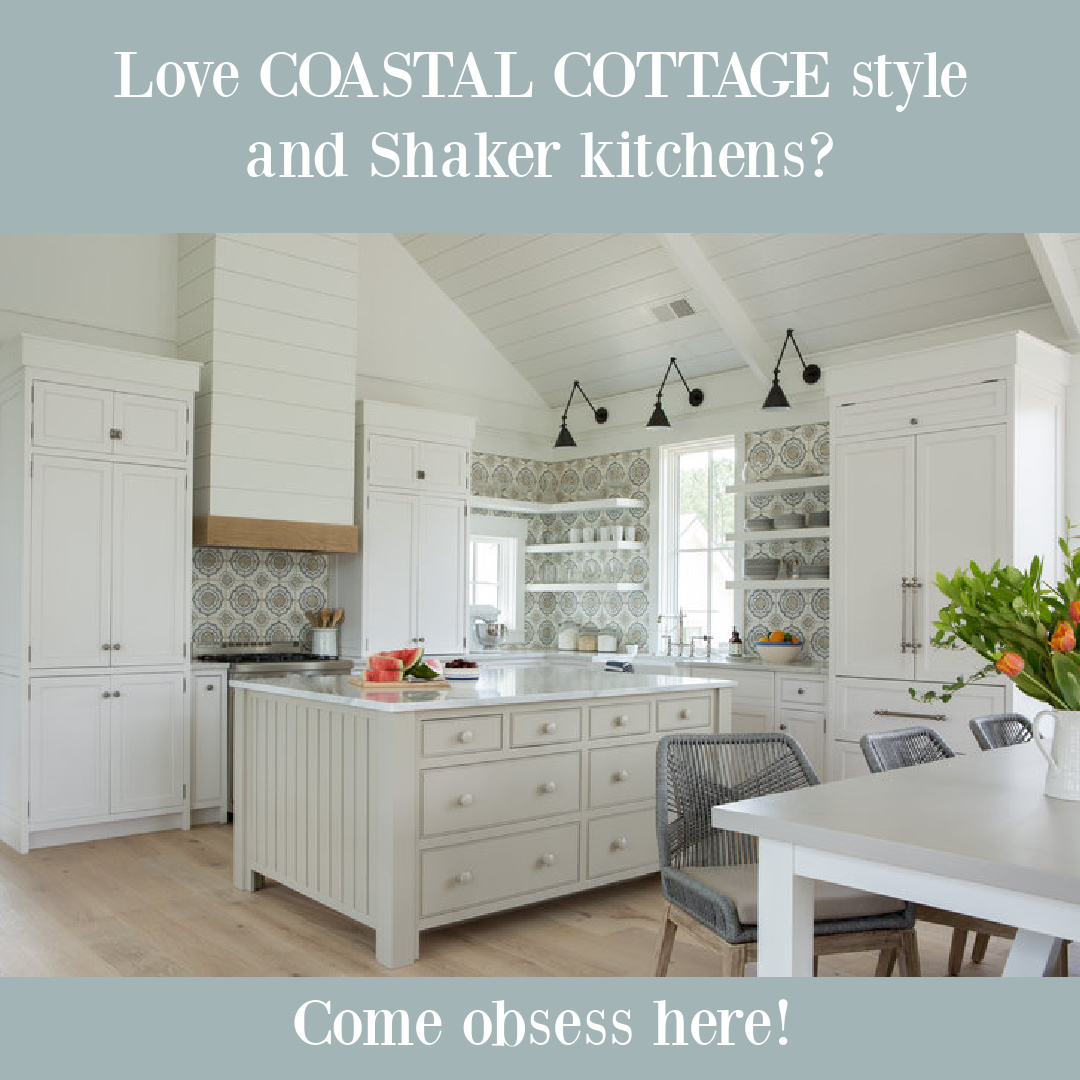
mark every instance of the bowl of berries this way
{"type": "Point", "coordinates": [461, 669]}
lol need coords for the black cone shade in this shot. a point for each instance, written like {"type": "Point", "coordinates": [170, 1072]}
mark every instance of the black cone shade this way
{"type": "Point", "coordinates": [564, 438]}
{"type": "Point", "coordinates": [659, 417]}
{"type": "Point", "coordinates": [776, 398]}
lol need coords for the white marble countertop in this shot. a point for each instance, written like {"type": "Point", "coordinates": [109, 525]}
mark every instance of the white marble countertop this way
{"type": "Point", "coordinates": [506, 685]}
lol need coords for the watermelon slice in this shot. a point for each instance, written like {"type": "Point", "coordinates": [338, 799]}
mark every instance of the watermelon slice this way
{"type": "Point", "coordinates": [383, 676]}
{"type": "Point", "coordinates": [385, 663]}
{"type": "Point", "coordinates": [408, 657]}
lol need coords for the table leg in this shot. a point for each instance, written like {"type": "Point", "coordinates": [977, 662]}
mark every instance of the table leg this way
{"type": "Point", "coordinates": [1032, 955]}
{"type": "Point", "coordinates": [785, 913]}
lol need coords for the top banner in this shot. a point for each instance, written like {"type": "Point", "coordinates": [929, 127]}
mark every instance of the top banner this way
{"type": "Point", "coordinates": [568, 115]}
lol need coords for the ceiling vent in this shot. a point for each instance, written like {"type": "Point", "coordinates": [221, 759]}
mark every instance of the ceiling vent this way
{"type": "Point", "coordinates": [674, 309]}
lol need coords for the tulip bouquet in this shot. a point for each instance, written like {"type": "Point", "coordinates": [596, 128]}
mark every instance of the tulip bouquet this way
{"type": "Point", "coordinates": [1022, 627]}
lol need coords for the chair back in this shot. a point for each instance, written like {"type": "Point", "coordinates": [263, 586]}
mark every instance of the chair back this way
{"type": "Point", "coordinates": [1000, 729]}
{"type": "Point", "coordinates": [885, 750]}
{"type": "Point", "coordinates": [694, 773]}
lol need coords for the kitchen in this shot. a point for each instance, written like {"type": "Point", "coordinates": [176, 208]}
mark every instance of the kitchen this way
{"type": "Point", "coordinates": [332, 370]}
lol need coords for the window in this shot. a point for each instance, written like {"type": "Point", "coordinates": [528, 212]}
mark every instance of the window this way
{"type": "Point", "coordinates": [698, 562]}
{"type": "Point", "coordinates": [496, 569]}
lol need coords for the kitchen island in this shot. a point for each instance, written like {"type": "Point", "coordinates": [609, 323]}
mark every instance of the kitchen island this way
{"type": "Point", "coordinates": [407, 809]}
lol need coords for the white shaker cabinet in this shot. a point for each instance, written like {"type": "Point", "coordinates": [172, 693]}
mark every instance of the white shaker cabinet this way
{"type": "Point", "coordinates": [440, 582]}
{"type": "Point", "coordinates": [209, 745]}
{"type": "Point", "coordinates": [388, 545]}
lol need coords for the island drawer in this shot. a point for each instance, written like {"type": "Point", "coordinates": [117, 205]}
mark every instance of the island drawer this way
{"type": "Point", "coordinates": [483, 871]}
{"type": "Point", "coordinates": [460, 735]}
{"type": "Point", "coordinates": [802, 691]}
{"type": "Point", "coordinates": [629, 718]}
{"type": "Point", "coordinates": [463, 797]}
{"type": "Point", "coordinates": [685, 711]}
{"type": "Point", "coordinates": [539, 726]}
{"type": "Point", "coordinates": [622, 842]}
{"type": "Point", "coordinates": [622, 774]}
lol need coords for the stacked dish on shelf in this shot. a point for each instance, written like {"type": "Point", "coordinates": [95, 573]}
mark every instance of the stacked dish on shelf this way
{"type": "Point", "coordinates": [761, 568]}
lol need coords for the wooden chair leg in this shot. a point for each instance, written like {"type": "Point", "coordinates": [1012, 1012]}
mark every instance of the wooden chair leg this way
{"type": "Point", "coordinates": [1063, 960]}
{"type": "Point", "coordinates": [666, 943]}
{"type": "Point", "coordinates": [978, 950]}
{"type": "Point", "coordinates": [815, 966]}
{"type": "Point", "coordinates": [885, 964]}
{"type": "Point", "coordinates": [956, 951]}
{"type": "Point", "coordinates": [737, 961]}
{"type": "Point", "coordinates": [909, 954]}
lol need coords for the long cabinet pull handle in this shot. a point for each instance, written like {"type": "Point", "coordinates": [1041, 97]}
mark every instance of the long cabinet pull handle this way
{"type": "Point", "coordinates": [940, 717]}
{"type": "Point", "coordinates": [903, 614]}
{"type": "Point", "coordinates": [915, 585]}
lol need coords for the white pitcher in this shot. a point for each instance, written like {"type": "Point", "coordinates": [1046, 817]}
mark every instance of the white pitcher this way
{"type": "Point", "coordinates": [1063, 757]}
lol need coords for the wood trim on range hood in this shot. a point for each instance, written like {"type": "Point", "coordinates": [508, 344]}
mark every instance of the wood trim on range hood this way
{"type": "Point", "coordinates": [217, 531]}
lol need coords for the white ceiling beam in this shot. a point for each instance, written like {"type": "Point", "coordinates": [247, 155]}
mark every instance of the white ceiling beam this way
{"type": "Point", "coordinates": [1059, 278]}
{"type": "Point", "coordinates": [721, 303]}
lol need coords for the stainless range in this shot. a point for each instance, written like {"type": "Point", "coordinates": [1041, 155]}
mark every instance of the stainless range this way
{"type": "Point", "coordinates": [275, 658]}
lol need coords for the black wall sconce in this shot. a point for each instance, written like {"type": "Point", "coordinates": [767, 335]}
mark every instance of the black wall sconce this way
{"type": "Point", "coordinates": [659, 417]}
{"type": "Point", "coordinates": [564, 438]}
{"type": "Point", "coordinates": [776, 399]}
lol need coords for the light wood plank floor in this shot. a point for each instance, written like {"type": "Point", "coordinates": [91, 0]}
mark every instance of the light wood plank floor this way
{"type": "Point", "coordinates": [164, 904]}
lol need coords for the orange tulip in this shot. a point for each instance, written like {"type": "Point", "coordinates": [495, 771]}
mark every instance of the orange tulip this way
{"type": "Point", "coordinates": [1063, 638]}
{"type": "Point", "coordinates": [1074, 611]}
{"type": "Point", "coordinates": [1010, 664]}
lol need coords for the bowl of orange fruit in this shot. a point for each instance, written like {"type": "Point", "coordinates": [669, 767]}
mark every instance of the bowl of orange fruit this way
{"type": "Point", "coordinates": [780, 647]}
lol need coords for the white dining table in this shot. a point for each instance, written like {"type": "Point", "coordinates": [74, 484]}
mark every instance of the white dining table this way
{"type": "Point", "coordinates": [972, 834]}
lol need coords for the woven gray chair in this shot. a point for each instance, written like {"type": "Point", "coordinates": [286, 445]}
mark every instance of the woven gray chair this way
{"type": "Point", "coordinates": [886, 750]}
{"type": "Point", "coordinates": [1000, 729]}
{"type": "Point", "coordinates": [709, 876]}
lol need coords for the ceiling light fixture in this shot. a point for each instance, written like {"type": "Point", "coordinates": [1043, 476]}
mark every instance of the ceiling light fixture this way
{"type": "Point", "coordinates": [659, 417]}
{"type": "Point", "coordinates": [564, 438]}
{"type": "Point", "coordinates": [776, 399]}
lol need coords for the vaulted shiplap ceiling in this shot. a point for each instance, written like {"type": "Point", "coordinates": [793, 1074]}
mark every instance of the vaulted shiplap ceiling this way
{"type": "Point", "coordinates": [561, 306]}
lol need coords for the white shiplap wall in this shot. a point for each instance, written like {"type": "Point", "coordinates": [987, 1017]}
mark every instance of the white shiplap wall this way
{"type": "Point", "coordinates": [273, 318]}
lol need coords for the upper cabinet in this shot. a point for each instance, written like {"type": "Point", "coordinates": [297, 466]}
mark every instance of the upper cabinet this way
{"type": "Point", "coordinates": [96, 421]}
{"type": "Point", "coordinates": [417, 465]}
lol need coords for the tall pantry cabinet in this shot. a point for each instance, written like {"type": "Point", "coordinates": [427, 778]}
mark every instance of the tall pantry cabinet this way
{"type": "Point", "coordinates": [965, 463]}
{"type": "Point", "coordinates": [95, 551]}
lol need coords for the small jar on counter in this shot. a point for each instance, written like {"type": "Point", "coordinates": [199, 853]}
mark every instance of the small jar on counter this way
{"type": "Point", "coordinates": [607, 640]}
{"type": "Point", "coordinates": [568, 636]}
{"type": "Point", "coordinates": [588, 637]}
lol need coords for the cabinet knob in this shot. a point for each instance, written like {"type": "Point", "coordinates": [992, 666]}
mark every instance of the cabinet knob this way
{"type": "Point", "coordinates": [106, 647]}
{"type": "Point", "coordinates": [420, 474]}
{"type": "Point", "coordinates": [209, 686]}
{"type": "Point", "coordinates": [464, 878]}
{"type": "Point", "coordinates": [620, 845]}
{"type": "Point", "coordinates": [105, 693]}
{"type": "Point", "coordinates": [116, 693]}
{"type": "Point", "coordinates": [465, 736]}
{"type": "Point", "coordinates": [548, 858]}
{"type": "Point", "coordinates": [421, 639]}
{"type": "Point", "coordinates": [621, 721]}
{"type": "Point", "coordinates": [116, 645]}
{"type": "Point", "coordinates": [783, 727]}
{"type": "Point", "coordinates": [550, 728]}
{"type": "Point", "coordinates": [464, 800]}
{"type": "Point", "coordinates": [549, 788]}
{"type": "Point", "coordinates": [622, 774]}
{"type": "Point", "coordinates": [802, 689]}
{"type": "Point", "coordinates": [913, 421]}
{"type": "Point", "coordinates": [684, 714]}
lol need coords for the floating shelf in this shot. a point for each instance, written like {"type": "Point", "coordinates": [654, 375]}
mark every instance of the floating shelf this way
{"type": "Point", "coordinates": [809, 584]}
{"type": "Point", "coordinates": [761, 487]}
{"type": "Point", "coordinates": [597, 545]}
{"type": "Point", "coordinates": [588, 586]}
{"type": "Point", "coordinates": [765, 535]}
{"type": "Point", "coordinates": [520, 506]}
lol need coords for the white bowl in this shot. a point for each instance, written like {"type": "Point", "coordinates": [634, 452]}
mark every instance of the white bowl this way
{"type": "Point", "coordinates": [779, 652]}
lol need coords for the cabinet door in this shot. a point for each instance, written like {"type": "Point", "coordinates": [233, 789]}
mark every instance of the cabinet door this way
{"type": "Point", "coordinates": [846, 760]}
{"type": "Point", "coordinates": [873, 548]}
{"type": "Point", "coordinates": [70, 564]}
{"type": "Point", "coordinates": [443, 468]}
{"type": "Point", "coordinates": [72, 417]}
{"type": "Point", "coordinates": [961, 516]}
{"type": "Point", "coordinates": [808, 730]}
{"type": "Point", "coordinates": [388, 551]}
{"type": "Point", "coordinates": [150, 427]}
{"type": "Point", "coordinates": [69, 748]}
{"type": "Point", "coordinates": [751, 717]}
{"type": "Point", "coordinates": [208, 747]}
{"type": "Point", "coordinates": [440, 587]}
{"type": "Point", "coordinates": [392, 461]}
{"type": "Point", "coordinates": [147, 742]}
{"type": "Point", "coordinates": [151, 580]}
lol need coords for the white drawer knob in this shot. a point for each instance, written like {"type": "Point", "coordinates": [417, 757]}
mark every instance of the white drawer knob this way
{"type": "Point", "coordinates": [550, 728]}
{"type": "Point", "coordinates": [465, 736]}
{"type": "Point", "coordinates": [684, 714]}
{"type": "Point", "coordinates": [548, 859]}
{"type": "Point", "coordinates": [620, 845]}
{"type": "Point", "coordinates": [464, 878]}
{"type": "Point", "coordinates": [622, 721]}
{"type": "Point", "coordinates": [549, 788]}
{"type": "Point", "coordinates": [464, 800]}
{"type": "Point", "coordinates": [622, 774]}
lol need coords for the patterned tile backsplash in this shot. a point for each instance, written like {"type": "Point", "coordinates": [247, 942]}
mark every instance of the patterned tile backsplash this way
{"type": "Point", "coordinates": [774, 455]}
{"type": "Point", "coordinates": [242, 595]}
{"type": "Point", "coordinates": [624, 475]}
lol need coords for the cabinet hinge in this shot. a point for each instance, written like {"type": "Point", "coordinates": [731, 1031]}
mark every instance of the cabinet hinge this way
{"type": "Point", "coordinates": [116, 434]}
{"type": "Point", "coordinates": [185, 791]}
{"type": "Point", "coordinates": [185, 684]}
{"type": "Point", "coordinates": [465, 511]}
{"type": "Point", "coordinates": [185, 650]}
{"type": "Point", "coordinates": [464, 642]}
{"type": "Point", "coordinates": [29, 691]}
{"type": "Point", "coordinates": [31, 468]}
{"type": "Point", "coordinates": [29, 653]}
{"type": "Point", "coordinates": [27, 807]}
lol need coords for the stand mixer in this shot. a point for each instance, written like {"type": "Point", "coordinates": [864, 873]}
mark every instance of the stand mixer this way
{"type": "Point", "coordinates": [488, 631]}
